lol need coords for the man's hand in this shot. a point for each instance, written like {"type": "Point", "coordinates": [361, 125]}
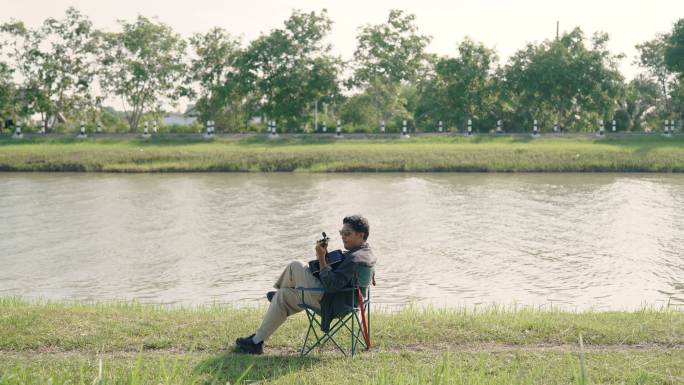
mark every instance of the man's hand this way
{"type": "Point", "coordinates": [321, 251]}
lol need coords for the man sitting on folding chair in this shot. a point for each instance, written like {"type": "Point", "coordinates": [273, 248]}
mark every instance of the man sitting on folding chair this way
{"type": "Point", "coordinates": [327, 293]}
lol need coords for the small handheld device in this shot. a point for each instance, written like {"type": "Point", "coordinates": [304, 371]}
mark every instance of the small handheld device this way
{"type": "Point", "coordinates": [332, 257]}
{"type": "Point", "coordinates": [324, 241]}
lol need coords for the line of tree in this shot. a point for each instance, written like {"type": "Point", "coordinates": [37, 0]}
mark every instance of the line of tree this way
{"type": "Point", "coordinates": [65, 68]}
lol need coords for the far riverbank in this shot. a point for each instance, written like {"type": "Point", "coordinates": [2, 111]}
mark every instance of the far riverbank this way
{"type": "Point", "coordinates": [318, 153]}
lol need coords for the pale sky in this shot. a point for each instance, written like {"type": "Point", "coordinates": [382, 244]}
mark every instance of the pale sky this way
{"type": "Point", "coordinates": [506, 25]}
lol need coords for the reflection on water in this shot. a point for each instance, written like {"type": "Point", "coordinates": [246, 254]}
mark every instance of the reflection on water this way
{"type": "Point", "coordinates": [570, 240]}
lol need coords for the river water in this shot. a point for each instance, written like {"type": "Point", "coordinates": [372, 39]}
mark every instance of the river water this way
{"type": "Point", "coordinates": [574, 241]}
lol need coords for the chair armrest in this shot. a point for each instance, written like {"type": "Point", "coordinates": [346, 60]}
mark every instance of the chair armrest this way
{"type": "Point", "coordinates": [320, 289]}
{"type": "Point", "coordinates": [345, 290]}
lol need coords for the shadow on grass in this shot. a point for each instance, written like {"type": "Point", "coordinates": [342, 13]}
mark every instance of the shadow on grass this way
{"type": "Point", "coordinates": [237, 368]}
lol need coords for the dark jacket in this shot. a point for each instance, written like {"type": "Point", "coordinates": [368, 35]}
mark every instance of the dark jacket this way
{"type": "Point", "coordinates": [337, 277]}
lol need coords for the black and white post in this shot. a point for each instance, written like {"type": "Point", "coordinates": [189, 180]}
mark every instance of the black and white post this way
{"type": "Point", "coordinates": [82, 133]}
{"type": "Point", "coordinates": [274, 129]}
{"type": "Point", "coordinates": [338, 129]}
{"type": "Point", "coordinates": [667, 128]}
{"type": "Point", "coordinates": [324, 128]}
{"type": "Point", "coordinates": [154, 126]}
{"type": "Point", "coordinates": [556, 127]}
{"type": "Point", "coordinates": [146, 132]}
{"type": "Point", "coordinates": [535, 128]}
{"type": "Point", "coordinates": [404, 134]}
{"type": "Point", "coordinates": [614, 125]}
{"type": "Point", "coordinates": [499, 126]}
{"type": "Point", "coordinates": [441, 127]}
{"type": "Point", "coordinates": [210, 130]}
{"type": "Point", "coordinates": [470, 127]}
{"type": "Point", "coordinates": [600, 128]}
{"type": "Point", "coordinates": [17, 131]}
{"type": "Point", "coordinates": [382, 127]}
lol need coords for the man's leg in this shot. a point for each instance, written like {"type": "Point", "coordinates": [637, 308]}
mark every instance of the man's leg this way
{"type": "Point", "coordinates": [287, 299]}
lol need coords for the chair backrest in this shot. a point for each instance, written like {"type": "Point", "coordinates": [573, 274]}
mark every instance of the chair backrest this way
{"type": "Point", "coordinates": [363, 275]}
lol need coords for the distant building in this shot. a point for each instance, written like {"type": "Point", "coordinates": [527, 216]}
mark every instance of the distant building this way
{"type": "Point", "coordinates": [178, 119]}
{"type": "Point", "coordinates": [185, 119]}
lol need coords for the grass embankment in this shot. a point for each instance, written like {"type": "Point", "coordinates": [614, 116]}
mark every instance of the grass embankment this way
{"type": "Point", "coordinates": [324, 154]}
{"type": "Point", "coordinates": [76, 343]}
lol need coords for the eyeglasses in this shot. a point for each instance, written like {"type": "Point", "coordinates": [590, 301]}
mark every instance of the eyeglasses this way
{"type": "Point", "coordinates": [345, 233]}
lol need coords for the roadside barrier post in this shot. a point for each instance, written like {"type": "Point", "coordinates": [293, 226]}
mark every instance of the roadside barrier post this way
{"type": "Point", "coordinates": [614, 125]}
{"type": "Point", "coordinates": [441, 128]}
{"type": "Point", "coordinates": [499, 125]}
{"type": "Point", "coordinates": [17, 131]}
{"type": "Point", "coordinates": [404, 133]}
{"type": "Point", "coordinates": [382, 127]}
{"type": "Point", "coordinates": [154, 126]}
{"type": "Point", "coordinates": [210, 129]}
{"type": "Point", "coordinates": [535, 128]}
{"type": "Point", "coordinates": [324, 128]}
{"type": "Point", "coordinates": [470, 127]}
{"type": "Point", "coordinates": [338, 130]}
{"type": "Point", "coordinates": [667, 127]}
{"type": "Point", "coordinates": [82, 133]}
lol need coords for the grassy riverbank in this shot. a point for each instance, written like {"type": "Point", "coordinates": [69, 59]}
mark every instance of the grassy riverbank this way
{"type": "Point", "coordinates": [317, 154]}
{"type": "Point", "coordinates": [135, 344]}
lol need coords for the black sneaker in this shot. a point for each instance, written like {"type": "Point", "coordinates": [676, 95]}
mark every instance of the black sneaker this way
{"type": "Point", "coordinates": [269, 295]}
{"type": "Point", "coordinates": [247, 345]}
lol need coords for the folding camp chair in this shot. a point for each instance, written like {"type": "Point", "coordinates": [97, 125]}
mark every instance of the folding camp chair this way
{"type": "Point", "coordinates": [356, 318]}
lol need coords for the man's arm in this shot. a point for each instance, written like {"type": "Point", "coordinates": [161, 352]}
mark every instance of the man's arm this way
{"type": "Point", "coordinates": [321, 251]}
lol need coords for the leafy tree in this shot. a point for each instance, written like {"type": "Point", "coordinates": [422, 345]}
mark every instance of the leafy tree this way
{"type": "Point", "coordinates": [389, 56]}
{"type": "Point", "coordinates": [56, 62]}
{"type": "Point", "coordinates": [564, 80]}
{"type": "Point", "coordinates": [7, 90]}
{"type": "Point", "coordinates": [462, 87]}
{"type": "Point", "coordinates": [290, 68]}
{"type": "Point", "coordinates": [380, 102]}
{"type": "Point", "coordinates": [358, 111]}
{"type": "Point", "coordinates": [639, 102]}
{"type": "Point", "coordinates": [143, 65]}
{"type": "Point", "coordinates": [393, 51]}
{"type": "Point", "coordinates": [652, 59]}
{"type": "Point", "coordinates": [214, 70]}
{"type": "Point", "coordinates": [674, 50]}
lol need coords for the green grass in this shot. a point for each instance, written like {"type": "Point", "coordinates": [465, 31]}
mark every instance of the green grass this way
{"type": "Point", "coordinates": [67, 342]}
{"type": "Point", "coordinates": [651, 153]}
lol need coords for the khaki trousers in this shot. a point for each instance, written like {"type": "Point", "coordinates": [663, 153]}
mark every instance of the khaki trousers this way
{"type": "Point", "coordinates": [286, 300]}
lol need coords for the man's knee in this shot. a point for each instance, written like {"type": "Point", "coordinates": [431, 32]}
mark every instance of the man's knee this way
{"type": "Point", "coordinates": [289, 300]}
{"type": "Point", "coordinates": [297, 265]}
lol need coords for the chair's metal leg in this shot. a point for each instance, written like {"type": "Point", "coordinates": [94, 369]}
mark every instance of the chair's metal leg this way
{"type": "Point", "coordinates": [329, 336]}
{"type": "Point", "coordinates": [308, 331]}
{"type": "Point", "coordinates": [353, 343]}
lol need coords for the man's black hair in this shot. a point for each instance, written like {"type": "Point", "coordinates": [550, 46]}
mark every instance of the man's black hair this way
{"type": "Point", "coordinates": [359, 224]}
